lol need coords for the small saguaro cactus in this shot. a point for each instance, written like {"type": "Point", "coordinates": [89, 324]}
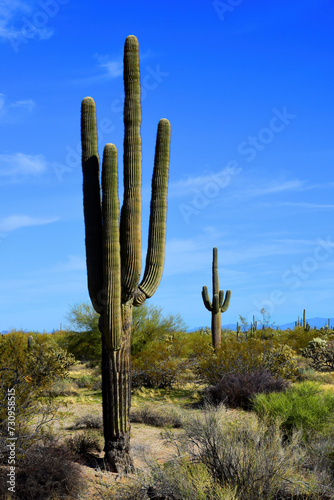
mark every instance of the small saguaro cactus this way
{"type": "Point", "coordinates": [30, 342]}
{"type": "Point", "coordinates": [113, 249]}
{"type": "Point", "coordinates": [304, 320]}
{"type": "Point", "coordinates": [219, 302]}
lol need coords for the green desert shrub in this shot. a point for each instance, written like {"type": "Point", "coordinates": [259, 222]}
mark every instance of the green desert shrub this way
{"type": "Point", "coordinates": [84, 341]}
{"type": "Point", "coordinates": [85, 382]}
{"type": "Point", "coordinates": [303, 407]}
{"type": "Point", "coordinates": [297, 338]}
{"type": "Point", "coordinates": [246, 356]}
{"type": "Point", "coordinates": [160, 365]}
{"type": "Point", "coordinates": [30, 366]}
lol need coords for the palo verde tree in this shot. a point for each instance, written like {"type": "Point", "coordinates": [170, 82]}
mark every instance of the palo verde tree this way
{"type": "Point", "coordinates": [219, 303]}
{"type": "Point", "coordinates": [113, 249]}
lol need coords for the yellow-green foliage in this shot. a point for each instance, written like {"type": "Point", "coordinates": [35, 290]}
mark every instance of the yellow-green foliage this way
{"type": "Point", "coordinates": [281, 362]}
{"type": "Point", "coordinates": [28, 371]}
{"type": "Point", "coordinates": [161, 364]}
{"type": "Point", "coordinates": [296, 338]}
{"type": "Point", "coordinates": [244, 356]}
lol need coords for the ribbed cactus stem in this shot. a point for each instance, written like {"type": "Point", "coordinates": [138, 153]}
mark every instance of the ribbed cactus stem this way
{"type": "Point", "coordinates": [130, 230]}
{"type": "Point", "coordinates": [157, 228]}
{"type": "Point", "coordinates": [112, 321]}
{"type": "Point", "coordinates": [304, 320]}
{"type": "Point", "coordinates": [92, 201]}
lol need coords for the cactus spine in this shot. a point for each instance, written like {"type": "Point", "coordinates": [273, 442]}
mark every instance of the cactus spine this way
{"type": "Point", "coordinates": [219, 303]}
{"type": "Point", "coordinates": [113, 249]}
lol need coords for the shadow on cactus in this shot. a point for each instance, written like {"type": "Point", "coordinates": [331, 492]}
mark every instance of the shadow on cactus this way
{"type": "Point", "coordinates": [113, 249]}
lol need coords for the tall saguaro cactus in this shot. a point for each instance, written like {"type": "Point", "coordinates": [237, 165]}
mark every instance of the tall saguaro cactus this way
{"type": "Point", "coordinates": [113, 249]}
{"type": "Point", "coordinates": [219, 303]}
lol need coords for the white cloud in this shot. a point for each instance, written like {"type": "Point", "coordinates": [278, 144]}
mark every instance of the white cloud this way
{"type": "Point", "coordinates": [106, 70]}
{"type": "Point", "coordinates": [114, 68]}
{"type": "Point", "coordinates": [18, 165]}
{"type": "Point", "coordinates": [12, 112]}
{"type": "Point", "coordinates": [13, 222]}
{"type": "Point", "coordinates": [278, 187]}
{"type": "Point", "coordinates": [17, 22]}
{"type": "Point", "coordinates": [302, 204]}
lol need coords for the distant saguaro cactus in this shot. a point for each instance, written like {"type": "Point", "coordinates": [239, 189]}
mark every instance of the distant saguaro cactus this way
{"type": "Point", "coordinates": [30, 342]}
{"type": "Point", "coordinates": [219, 303]}
{"type": "Point", "coordinates": [113, 249]}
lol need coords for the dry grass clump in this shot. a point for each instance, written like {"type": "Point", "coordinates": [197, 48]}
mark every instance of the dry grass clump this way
{"type": "Point", "coordinates": [84, 443]}
{"type": "Point", "coordinates": [89, 421]}
{"type": "Point", "coordinates": [221, 456]}
{"type": "Point", "coordinates": [156, 416]}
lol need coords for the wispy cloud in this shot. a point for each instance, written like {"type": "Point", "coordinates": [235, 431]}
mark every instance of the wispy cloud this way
{"type": "Point", "coordinates": [112, 68]}
{"type": "Point", "coordinates": [18, 166]}
{"type": "Point", "coordinates": [106, 69]}
{"type": "Point", "coordinates": [277, 187]}
{"type": "Point", "coordinates": [12, 112]}
{"type": "Point", "coordinates": [14, 222]}
{"type": "Point", "coordinates": [195, 254]}
{"type": "Point", "coordinates": [14, 24]}
{"type": "Point", "coordinates": [304, 204]}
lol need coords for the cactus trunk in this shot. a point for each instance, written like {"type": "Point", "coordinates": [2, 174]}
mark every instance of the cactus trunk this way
{"type": "Point", "coordinates": [116, 399]}
{"type": "Point", "coordinates": [113, 249]}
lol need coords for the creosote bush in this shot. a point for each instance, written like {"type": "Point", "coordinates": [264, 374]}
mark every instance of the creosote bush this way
{"type": "Point", "coordinates": [246, 356]}
{"type": "Point", "coordinates": [161, 364]}
{"type": "Point", "coordinates": [30, 366]}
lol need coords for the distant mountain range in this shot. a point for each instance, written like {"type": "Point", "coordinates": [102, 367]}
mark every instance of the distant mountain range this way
{"type": "Point", "coordinates": [313, 322]}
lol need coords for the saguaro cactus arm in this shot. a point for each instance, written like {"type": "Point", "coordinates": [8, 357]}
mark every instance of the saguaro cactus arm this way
{"type": "Point", "coordinates": [112, 322]}
{"type": "Point", "coordinates": [157, 229]}
{"type": "Point", "coordinates": [92, 201]}
{"type": "Point", "coordinates": [206, 300]}
{"type": "Point", "coordinates": [226, 303]}
{"type": "Point", "coordinates": [130, 228]}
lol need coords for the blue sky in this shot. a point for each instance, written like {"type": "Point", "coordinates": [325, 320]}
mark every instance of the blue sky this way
{"type": "Point", "coordinates": [248, 89]}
